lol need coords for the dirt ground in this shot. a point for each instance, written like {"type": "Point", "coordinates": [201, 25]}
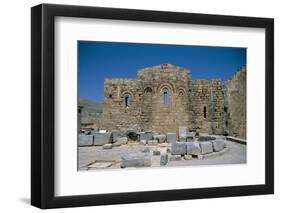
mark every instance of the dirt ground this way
{"type": "Point", "coordinates": [95, 157]}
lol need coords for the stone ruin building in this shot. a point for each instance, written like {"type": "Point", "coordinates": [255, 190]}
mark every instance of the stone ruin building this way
{"type": "Point", "coordinates": [163, 98]}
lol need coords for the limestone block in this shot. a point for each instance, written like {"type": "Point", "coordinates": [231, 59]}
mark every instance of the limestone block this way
{"type": "Point", "coordinates": [156, 152]}
{"type": "Point", "coordinates": [107, 146]}
{"type": "Point", "coordinates": [178, 148]}
{"type": "Point", "coordinates": [182, 131]}
{"type": "Point", "coordinates": [159, 138]}
{"type": "Point", "coordinates": [102, 138]}
{"type": "Point", "coordinates": [193, 148]}
{"type": "Point", "coordinates": [146, 150]}
{"type": "Point", "coordinates": [163, 159]}
{"type": "Point", "coordinates": [85, 140]}
{"type": "Point", "coordinates": [145, 135]}
{"type": "Point", "coordinates": [218, 145]}
{"type": "Point", "coordinates": [187, 157]}
{"type": "Point", "coordinates": [152, 142]}
{"type": "Point", "coordinates": [206, 147]}
{"type": "Point", "coordinates": [175, 157]}
{"type": "Point", "coordinates": [171, 137]}
{"type": "Point", "coordinates": [135, 160]}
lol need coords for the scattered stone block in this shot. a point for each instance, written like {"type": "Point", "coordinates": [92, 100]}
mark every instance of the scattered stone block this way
{"type": "Point", "coordinates": [163, 159]}
{"type": "Point", "coordinates": [152, 142]}
{"type": "Point", "coordinates": [107, 146]}
{"type": "Point", "coordinates": [135, 160]}
{"type": "Point", "coordinates": [85, 140]}
{"type": "Point", "coordinates": [187, 157]}
{"type": "Point", "coordinates": [182, 131]}
{"type": "Point", "coordinates": [146, 150]}
{"type": "Point", "coordinates": [178, 148]}
{"type": "Point", "coordinates": [102, 138]}
{"type": "Point", "coordinates": [156, 152]}
{"type": "Point", "coordinates": [145, 135]}
{"type": "Point", "coordinates": [193, 148]}
{"type": "Point", "coordinates": [175, 157]}
{"type": "Point", "coordinates": [143, 142]}
{"type": "Point", "coordinates": [218, 145]}
{"type": "Point", "coordinates": [159, 138]}
{"type": "Point", "coordinates": [121, 141]}
{"type": "Point", "coordinates": [171, 137]}
{"type": "Point", "coordinates": [206, 147]}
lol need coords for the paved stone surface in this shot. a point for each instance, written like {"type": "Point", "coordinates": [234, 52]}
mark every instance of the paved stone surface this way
{"type": "Point", "coordinates": [236, 154]}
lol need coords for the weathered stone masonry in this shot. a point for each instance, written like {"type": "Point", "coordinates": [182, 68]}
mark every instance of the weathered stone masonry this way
{"type": "Point", "coordinates": [164, 97]}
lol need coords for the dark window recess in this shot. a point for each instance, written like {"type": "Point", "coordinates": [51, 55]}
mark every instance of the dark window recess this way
{"type": "Point", "coordinates": [205, 112]}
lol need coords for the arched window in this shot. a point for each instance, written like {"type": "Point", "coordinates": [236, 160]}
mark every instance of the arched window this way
{"type": "Point", "coordinates": [127, 101]}
{"type": "Point", "coordinates": [205, 112]}
{"type": "Point", "coordinates": [148, 90]}
{"type": "Point", "coordinates": [166, 98]}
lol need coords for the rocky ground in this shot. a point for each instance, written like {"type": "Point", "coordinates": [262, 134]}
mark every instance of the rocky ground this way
{"type": "Point", "coordinates": [95, 157]}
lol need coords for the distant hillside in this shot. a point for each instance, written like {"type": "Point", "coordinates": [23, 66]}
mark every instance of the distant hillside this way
{"type": "Point", "coordinates": [89, 105]}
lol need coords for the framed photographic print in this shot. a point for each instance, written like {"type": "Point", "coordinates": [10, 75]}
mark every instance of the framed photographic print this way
{"type": "Point", "coordinates": [139, 106]}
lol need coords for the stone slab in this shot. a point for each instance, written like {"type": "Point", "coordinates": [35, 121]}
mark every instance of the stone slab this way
{"type": "Point", "coordinates": [85, 140]}
{"type": "Point", "coordinates": [171, 137]}
{"type": "Point", "coordinates": [135, 160]}
{"type": "Point", "coordinates": [213, 154]}
{"type": "Point", "coordinates": [193, 148]}
{"type": "Point", "coordinates": [159, 138]}
{"type": "Point", "coordinates": [107, 146]}
{"type": "Point", "coordinates": [218, 145]}
{"type": "Point", "coordinates": [102, 138]}
{"type": "Point", "coordinates": [206, 147]}
{"type": "Point", "coordinates": [178, 148]}
{"type": "Point", "coordinates": [163, 159]}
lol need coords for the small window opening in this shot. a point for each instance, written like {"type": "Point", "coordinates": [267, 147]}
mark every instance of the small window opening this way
{"type": "Point", "coordinates": [110, 95]}
{"type": "Point", "coordinates": [205, 112]}
{"type": "Point", "coordinates": [166, 99]}
{"type": "Point", "coordinates": [127, 101]}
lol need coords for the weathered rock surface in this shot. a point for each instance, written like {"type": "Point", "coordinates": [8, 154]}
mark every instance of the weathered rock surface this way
{"type": "Point", "coordinates": [171, 137]}
{"type": "Point", "coordinates": [175, 157]}
{"type": "Point", "coordinates": [85, 140]}
{"type": "Point", "coordinates": [193, 148]}
{"type": "Point", "coordinates": [163, 159]}
{"type": "Point", "coordinates": [218, 145]}
{"type": "Point", "coordinates": [102, 138]}
{"type": "Point", "coordinates": [156, 152]}
{"type": "Point", "coordinates": [206, 147]}
{"type": "Point", "coordinates": [159, 138]}
{"type": "Point", "coordinates": [135, 160]}
{"type": "Point", "coordinates": [178, 148]}
{"type": "Point", "coordinates": [107, 146]}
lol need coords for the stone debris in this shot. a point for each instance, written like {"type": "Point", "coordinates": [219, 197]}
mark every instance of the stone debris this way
{"type": "Point", "coordinates": [175, 157]}
{"type": "Point", "coordinates": [135, 160]}
{"type": "Point", "coordinates": [121, 141]}
{"type": "Point", "coordinates": [206, 147]}
{"type": "Point", "coordinates": [178, 148]}
{"type": "Point", "coordinates": [146, 150]}
{"type": "Point", "coordinates": [163, 159]}
{"type": "Point", "coordinates": [187, 157]}
{"type": "Point", "coordinates": [147, 135]}
{"type": "Point", "coordinates": [193, 148]}
{"type": "Point", "coordinates": [107, 146]}
{"type": "Point", "coordinates": [156, 152]}
{"type": "Point", "coordinates": [152, 142]}
{"type": "Point", "coordinates": [159, 138]}
{"type": "Point", "coordinates": [102, 138]}
{"type": "Point", "coordinates": [213, 154]}
{"type": "Point", "coordinates": [85, 140]}
{"type": "Point", "coordinates": [143, 142]}
{"type": "Point", "coordinates": [218, 145]}
{"type": "Point", "coordinates": [171, 137]}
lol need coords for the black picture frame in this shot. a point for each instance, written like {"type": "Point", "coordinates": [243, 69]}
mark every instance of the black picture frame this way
{"type": "Point", "coordinates": [43, 102]}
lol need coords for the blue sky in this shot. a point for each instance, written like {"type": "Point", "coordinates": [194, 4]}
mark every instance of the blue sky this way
{"type": "Point", "coordinates": [99, 60]}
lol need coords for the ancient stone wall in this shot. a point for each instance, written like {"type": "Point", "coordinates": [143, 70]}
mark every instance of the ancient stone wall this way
{"type": "Point", "coordinates": [164, 97]}
{"type": "Point", "coordinates": [207, 106]}
{"type": "Point", "coordinates": [235, 104]}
